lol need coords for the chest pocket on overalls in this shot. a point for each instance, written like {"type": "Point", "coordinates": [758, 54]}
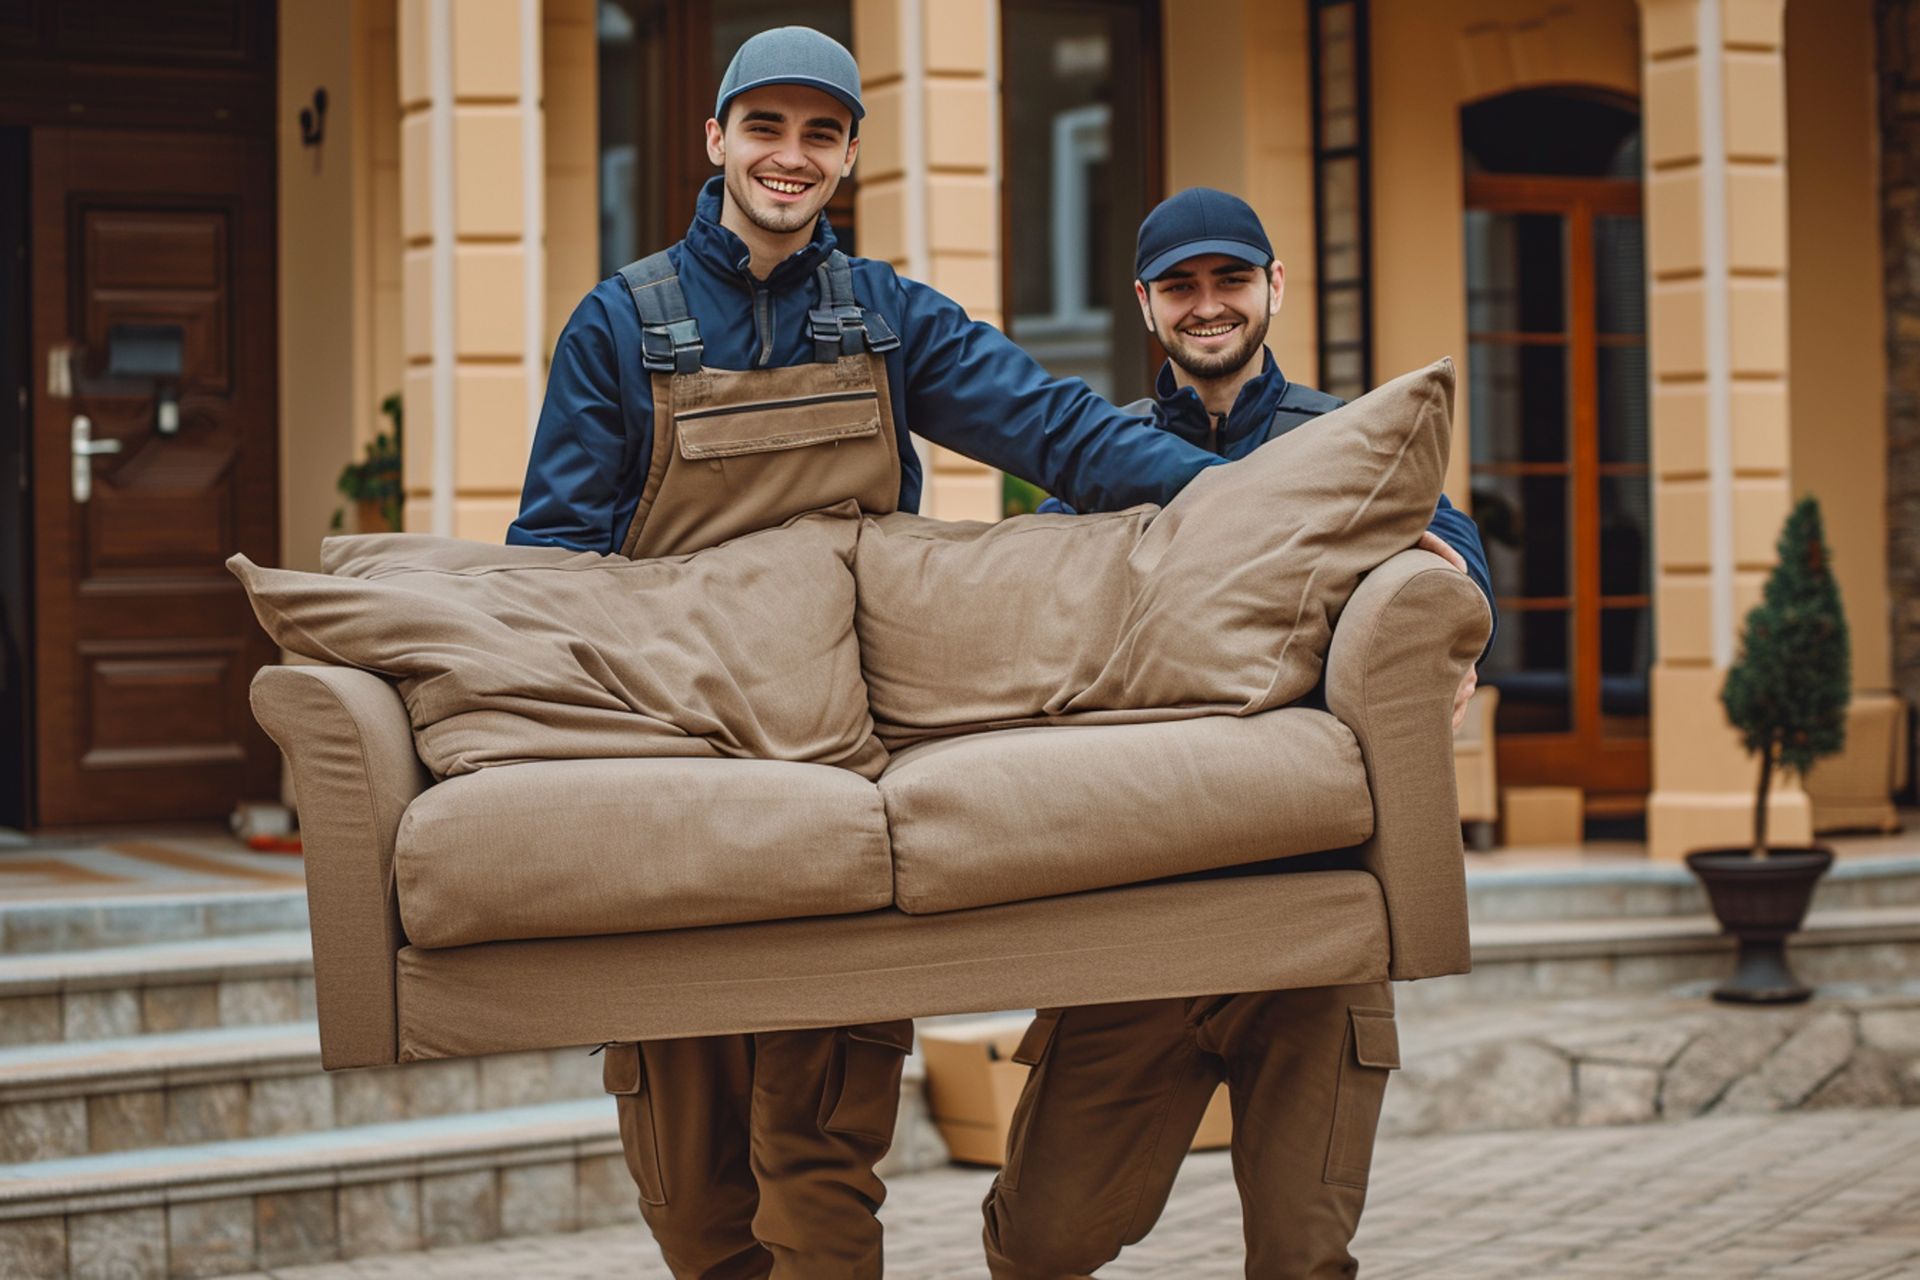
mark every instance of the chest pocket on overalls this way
{"type": "Point", "coordinates": [736, 451]}
{"type": "Point", "coordinates": [761, 427]}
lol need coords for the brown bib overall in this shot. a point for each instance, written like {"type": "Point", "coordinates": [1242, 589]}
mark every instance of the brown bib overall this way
{"type": "Point", "coordinates": [740, 450]}
{"type": "Point", "coordinates": [754, 1154]}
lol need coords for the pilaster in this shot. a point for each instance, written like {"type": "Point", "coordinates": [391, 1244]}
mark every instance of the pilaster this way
{"type": "Point", "coordinates": [1715, 122]}
{"type": "Point", "coordinates": [473, 288]}
{"type": "Point", "coordinates": [929, 193]}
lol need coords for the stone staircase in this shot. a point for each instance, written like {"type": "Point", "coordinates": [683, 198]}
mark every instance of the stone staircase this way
{"type": "Point", "coordinates": [163, 1111]}
{"type": "Point", "coordinates": [1638, 927]}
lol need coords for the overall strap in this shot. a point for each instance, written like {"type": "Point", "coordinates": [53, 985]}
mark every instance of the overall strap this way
{"type": "Point", "coordinates": [1285, 420]}
{"type": "Point", "coordinates": [840, 325]}
{"type": "Point", "coordinates": [1299, 404]}
{"type": "Point", "coordinates": [669, 335]}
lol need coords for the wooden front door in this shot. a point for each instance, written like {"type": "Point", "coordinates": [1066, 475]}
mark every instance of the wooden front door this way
{"type": "Point", "coordinates": [143, 643]}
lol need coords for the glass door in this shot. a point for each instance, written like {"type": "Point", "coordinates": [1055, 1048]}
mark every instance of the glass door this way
{"type": "Point", "coordinates": [1557, 393]}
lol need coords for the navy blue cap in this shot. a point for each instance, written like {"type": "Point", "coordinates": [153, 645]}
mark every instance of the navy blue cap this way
{"type": "Point", "coordinates": [793, 55]}
{"type": "Point", "coordinates": [1199, 220]}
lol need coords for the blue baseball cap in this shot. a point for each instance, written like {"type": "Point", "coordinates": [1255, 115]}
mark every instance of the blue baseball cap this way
{"type": "Point", "coordinates": [1199, 220]}
{"type": "Point", "coordinates": [793, 55]}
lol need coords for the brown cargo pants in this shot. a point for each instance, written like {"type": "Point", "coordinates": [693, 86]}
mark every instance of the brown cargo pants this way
{"type": "Point", "coordinates": [754, 1154]}
{"type": "Point", "coordinates": [1116, 1094]}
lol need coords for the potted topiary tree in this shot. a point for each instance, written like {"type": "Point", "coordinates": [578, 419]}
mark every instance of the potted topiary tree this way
{"type": "Point", "coordinates": [1787, 695]}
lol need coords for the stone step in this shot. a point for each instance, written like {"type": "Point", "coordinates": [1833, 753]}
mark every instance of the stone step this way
{"type": "Point", "coordinates": [1637, 1059]}
{"type": "Point", "coordinates": [230, 1207]}
{"type": "Point", "coordinates": [36, 927]}
{"type": "Point", "coordinates": [1515, 961]}
{"type": "Point", "coordinates": [1637, 888]}
{"type": "Point", "coordinates": [247, 980]}
{"type": "Point", "coordinates": [90, 1097]}
{"type": "Point", "coordinates": [223, 1208]}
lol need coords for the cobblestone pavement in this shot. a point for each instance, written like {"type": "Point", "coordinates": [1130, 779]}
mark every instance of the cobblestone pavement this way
{"type": "Point", "coordinates": [1833, 1195]}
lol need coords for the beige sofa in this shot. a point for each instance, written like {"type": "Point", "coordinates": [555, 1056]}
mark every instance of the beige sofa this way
{"type": "Point", "coordinates": [933, 890]}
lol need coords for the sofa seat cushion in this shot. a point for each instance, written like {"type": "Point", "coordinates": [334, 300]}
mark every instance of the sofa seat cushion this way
{"type": "Point", "coordinates": [578, 847]}
{"type": "Point", "coordinates": [1027, 813]}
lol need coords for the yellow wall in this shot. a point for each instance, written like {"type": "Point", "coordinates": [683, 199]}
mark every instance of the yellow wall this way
{"type": "Point", "coordinates": [1239, 117]}
{"type": "Point", "coordinates": [317, 273]}
{"type": "Point", "coordinates": [381, 358]}
{"type": "Point", "coordinates": [341, 351]}
{"type": "Point", "coordinates": [1836, 313]}
{"type": "Point", "coordinates": [1428, 61]}
{"type": "Point", "coordinates": [570, 82]}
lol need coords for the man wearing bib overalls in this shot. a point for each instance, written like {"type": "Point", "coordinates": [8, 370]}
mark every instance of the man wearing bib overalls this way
{"type": "Point", "coordinates": [701, 394]}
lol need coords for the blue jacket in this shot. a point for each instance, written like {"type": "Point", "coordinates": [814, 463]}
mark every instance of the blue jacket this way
{"type": "Point", "coordinates": [1250, 424]}
{"type": "Point", "coordinates": [954, 381]}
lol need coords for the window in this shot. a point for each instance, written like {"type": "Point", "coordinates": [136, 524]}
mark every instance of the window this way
{"type": "Point", "coordinates": [1343, 188]}
{"type": "Point", "coordinates": [1081, 171]}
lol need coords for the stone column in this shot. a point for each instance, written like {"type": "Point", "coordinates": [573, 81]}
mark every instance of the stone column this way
{"type": "Point", "coordinates": [1715, 126]}
{"type": "Point", "coordinates": [929, 193]}
{"type": "Point", "coordinates": [471, 214]}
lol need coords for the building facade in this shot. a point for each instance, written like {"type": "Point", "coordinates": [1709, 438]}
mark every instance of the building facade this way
{"type": "Point", "coordinates": [1649, 230]}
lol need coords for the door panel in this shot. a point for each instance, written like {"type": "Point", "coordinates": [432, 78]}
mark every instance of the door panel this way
{"type": "Point", "coordinates": [145, 644]}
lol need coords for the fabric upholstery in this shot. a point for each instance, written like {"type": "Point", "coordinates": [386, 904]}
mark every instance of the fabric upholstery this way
{"type": "Point", "coordinates": [964, 625]}
{"type": "Point", "coordinates": [1402, 647]}
{"type": "Point", "coordinates": [575, 847]}
{"type": "Point", "coordinates": [1237, 933]}
{"type": "Point", "coordinates": [507, 655]}
{"type": "Point", "coordinates": [1241, 577]}
{"type": "Point", "coordinates": [346, 738]}
{"type": "Point", "coordinates": [1223, 601]}
{"type": "Point", "coordinates": [1028, 813]}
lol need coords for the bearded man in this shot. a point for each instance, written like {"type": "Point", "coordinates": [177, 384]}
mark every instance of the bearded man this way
{"type": "Point", "coordinates": [1116, 1092]}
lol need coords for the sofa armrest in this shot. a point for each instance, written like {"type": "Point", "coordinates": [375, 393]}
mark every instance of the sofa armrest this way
{"type": "Point", "coordinates": [1402, 646]}
{"type": "Point", "coordinates": [347, 736]}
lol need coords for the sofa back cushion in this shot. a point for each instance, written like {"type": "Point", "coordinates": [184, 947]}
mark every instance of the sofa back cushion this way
{"type": "Point", "coordinates": [1239, 580]}
{"type": "Point", "coordinates": [1222, 602]}
{"type": "Point", "coordinates": [506, 655]}
{"type": "Point", "coordinates": [966, 625]}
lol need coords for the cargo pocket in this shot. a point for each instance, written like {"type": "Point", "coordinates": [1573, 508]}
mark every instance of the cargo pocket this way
{"type": "Point", "coordinates": [623, 1075]}
{"type": "Point", "coordinates": [1035, 1048]}
{"type": "Point", "coordinates": [1371, 1050]}
{"type": "Point", "coordinates": [862, 1094]}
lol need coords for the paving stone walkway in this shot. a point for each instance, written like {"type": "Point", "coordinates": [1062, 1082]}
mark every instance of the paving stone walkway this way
{"type": "Point", "coordinates": [1833, 1195]}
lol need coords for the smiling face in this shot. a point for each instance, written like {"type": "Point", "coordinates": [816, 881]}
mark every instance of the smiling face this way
{"type": "Point", "coordinates": [784, 149]}
{"type": "Point", "coordinates": [1211, 312]}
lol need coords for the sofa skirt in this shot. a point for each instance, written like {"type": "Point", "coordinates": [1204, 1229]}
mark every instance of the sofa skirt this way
{"type": "Point", "coordinates": [1183, 938]}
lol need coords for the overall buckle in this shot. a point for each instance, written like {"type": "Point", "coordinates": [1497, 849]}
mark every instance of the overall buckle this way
{"type": "Point", "coordinates": [674, 347]}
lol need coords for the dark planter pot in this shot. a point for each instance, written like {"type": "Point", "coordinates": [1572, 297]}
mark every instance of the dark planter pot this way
{"type": "Point", "coordinates": [1761, 902]}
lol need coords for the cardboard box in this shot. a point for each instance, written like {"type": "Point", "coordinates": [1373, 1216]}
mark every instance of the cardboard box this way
{"type": "Point", "coordinates": [1543, 815]}
{"type": "Point", "coordinates": [973, 1083]}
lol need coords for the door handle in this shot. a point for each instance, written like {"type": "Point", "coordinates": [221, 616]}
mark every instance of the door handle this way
{"type": "Point", "coordinates": [84, 448]}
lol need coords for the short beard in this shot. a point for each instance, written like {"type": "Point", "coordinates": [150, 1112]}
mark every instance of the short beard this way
{"type": "Point", "coordinates": [781, 219]}
{"type": "Point", "coordinates": [1209, 368]}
